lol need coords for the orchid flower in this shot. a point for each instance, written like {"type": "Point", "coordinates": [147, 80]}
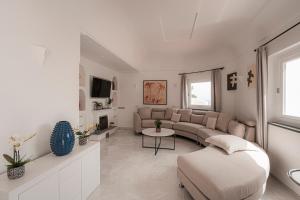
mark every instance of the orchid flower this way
{"type": "Point", "coordinates": [17, 141]}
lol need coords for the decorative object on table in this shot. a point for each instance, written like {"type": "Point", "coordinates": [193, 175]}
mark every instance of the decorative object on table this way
{"type": "Point", "coordinates": [232, 81]}
{"type": "Point", "coordinates": [108, 102]}
{"type": "Point", "coordinates": [111, 124]}
{"type": "Point", "coordinates": [83, 135]}
{"type": "Point", "coordinates": [155, 92]}
{"type": "Point", "coordinates": [98, 105]}
{"type": "Point", "coordinates": [158, 125]}
{"type": "Point", "coordinates": [16, 166]}
{"type": "Point", "coordinates": [251, 76]}
{"type": "Point", "coordinates": [114, 83]}
{"type": "Point", "coordinates": [62, 139]}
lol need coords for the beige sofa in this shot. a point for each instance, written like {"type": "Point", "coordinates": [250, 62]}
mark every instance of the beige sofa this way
{"type": "Point", "coordinates": [192, 124]}
{"type": "Point", "coordinates": [212, 174]}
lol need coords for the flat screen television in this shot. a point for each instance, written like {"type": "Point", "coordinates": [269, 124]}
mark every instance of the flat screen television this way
{"type": "Point", "coordinates": [100, 88]}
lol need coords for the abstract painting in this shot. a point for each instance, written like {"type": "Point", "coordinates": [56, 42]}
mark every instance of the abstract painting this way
{"type": "Point", "coordinates": [232, 81]}
{"type": "Point", "coordinates": [155, 92]}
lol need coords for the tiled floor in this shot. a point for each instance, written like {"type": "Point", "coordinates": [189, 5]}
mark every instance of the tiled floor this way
{"type": "Point", "coordinates": [129, 172]}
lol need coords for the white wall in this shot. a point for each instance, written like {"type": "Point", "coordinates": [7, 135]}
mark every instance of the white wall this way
{"type": "Point", "coordinates": [131, 91]}
{"type": "Point", "coordinates": [92, 68]}
{"type": "Point", "coordinates": [246, 97]}
{"type": "Point", "coordinates": [283, 145]}
{"type": "Point", "coordinates": [245, 102]}
{"type": "Point", "coordinates": [35, 96]}
{"type": "Point", "coordinates": [284, 151]}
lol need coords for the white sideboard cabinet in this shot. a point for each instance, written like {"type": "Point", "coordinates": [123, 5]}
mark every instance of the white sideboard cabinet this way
{"type": "Point", "coordinates": [71, 177]}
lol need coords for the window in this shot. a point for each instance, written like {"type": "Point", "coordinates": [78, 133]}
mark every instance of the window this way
{"type": "Point", "coordinates": [199, 92]}
{"type": "Point", "coordinates": [291, 88]}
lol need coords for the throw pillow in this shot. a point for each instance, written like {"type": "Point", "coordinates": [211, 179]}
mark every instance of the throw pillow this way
{"type": "Point", "coordinates": [158, 115]}
{"type": "Point", "coordinates": [231, 143]}
{"type": "Point", "coordinates": [211, 123]}
{"type": "Point", "coordinates": [236, 128]}
{"type": "Point", "coordinates": [175, 117]}
{"type": "Point", "coordinates": [169, 112]}
{"type": "Point", "coordinates": [197, 119]}
{"type": "Point", "coordinates": [145, 113]}
{"type": "Point", "coordinates": [185, 115]}
{"type": "Point", "coordinates": [207, 115]}
{"type": "Point", "coordinates": [223, 121]}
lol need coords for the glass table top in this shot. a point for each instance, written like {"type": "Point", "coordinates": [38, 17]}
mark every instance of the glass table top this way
{"type": "Point", "coordinates": [294, 175]}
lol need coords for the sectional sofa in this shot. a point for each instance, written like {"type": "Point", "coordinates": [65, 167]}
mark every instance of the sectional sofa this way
{"type": "Point", "coordinates": [192, 124]}
{"type": "Point", "coordinates": [211, 173]}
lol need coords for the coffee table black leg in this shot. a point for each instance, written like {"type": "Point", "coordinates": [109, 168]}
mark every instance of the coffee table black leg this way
{"type": "Point", "coordinates": [174, 141]}
{"type": "Point", "coordinates": [157, 146]}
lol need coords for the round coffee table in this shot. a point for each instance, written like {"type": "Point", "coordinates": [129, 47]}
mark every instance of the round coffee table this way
{"type": "Point", "coordinates": [151, 132]}
{"type": "Point", "coordinates": [294, 175]}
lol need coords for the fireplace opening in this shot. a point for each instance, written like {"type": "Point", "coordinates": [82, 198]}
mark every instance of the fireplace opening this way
{"type": "Point", "coordinates": [103, 123]}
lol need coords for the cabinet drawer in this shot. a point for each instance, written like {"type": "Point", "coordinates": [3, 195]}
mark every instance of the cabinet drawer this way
{"type": "Point", "coordinates": [70, 181]}
{"type": "Point", "coordinates": [90, 172]}
{"type": "Point", "coordinates": [47, 189]}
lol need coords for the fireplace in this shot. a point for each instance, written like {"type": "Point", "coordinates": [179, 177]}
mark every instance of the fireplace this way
{"type": "Point", "coordinates": [103, 123]}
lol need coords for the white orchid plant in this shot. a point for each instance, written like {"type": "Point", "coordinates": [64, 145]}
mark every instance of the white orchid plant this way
{"type": "Point", "coordinates": [16, 142]}
{"type": "Point", "coordinates": [86, 133]}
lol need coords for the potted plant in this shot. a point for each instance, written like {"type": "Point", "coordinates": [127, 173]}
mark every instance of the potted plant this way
{"type": "Point", "coordinates": [83, 135]}
{"type": "Point", "coordinates": [16, 166]}
{"type": "Point", "coordinates": [158, 125]}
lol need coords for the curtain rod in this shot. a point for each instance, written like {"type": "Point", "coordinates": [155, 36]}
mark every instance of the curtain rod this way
{"type": "Point", "coordinates": [274, 38]}
{"type": "Point", "coordinates": [220, 68]}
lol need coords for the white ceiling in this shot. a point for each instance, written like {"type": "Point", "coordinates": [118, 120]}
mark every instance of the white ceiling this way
{"type": "Point", "coordinates": [188, 33]}
{"type": "Point", "coordinates": [92, 50]}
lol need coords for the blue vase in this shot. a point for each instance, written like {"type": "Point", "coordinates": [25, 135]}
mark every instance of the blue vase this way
{"type": "Point", "coordinates": [62, 138]}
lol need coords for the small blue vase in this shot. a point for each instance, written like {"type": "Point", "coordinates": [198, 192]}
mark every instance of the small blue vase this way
{"type": "Point", "coordinates": [62, 138]}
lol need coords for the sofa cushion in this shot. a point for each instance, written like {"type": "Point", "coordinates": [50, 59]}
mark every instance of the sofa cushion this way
{"type": "Point", "coordinates": [148, 123]}
{"type": "Point", "coordinates": [175, 117]}
{"type": "Point", "coordinates": [236, 128]}
{"type": "Point", "coordinates": [223, 121]}
{"type": "Point", "coordinates": [209, 114]}
{"type": "Point", "coordinates": [205, 133]}
{"type": "Point", "coordinates": [158, 110]}
{"type": "Point", "coordinates": [167, 124]}
{"type": "Point", "coordinates": [231, 143]}
{"type": "Point", "coordinates": [187, 127]}
{"type": "Point", "coordinates": [169, 112]}
{"type": "Point", "coordinates": [145, 112]}
{"type": "Point", "coordinates": [211, 123]}
{"type": "Point", "coordinates": [185, 114]}
{"type": "Point", "coordinates": [196, 119]}
{"type": "Point", "coordinates": [158, 114]}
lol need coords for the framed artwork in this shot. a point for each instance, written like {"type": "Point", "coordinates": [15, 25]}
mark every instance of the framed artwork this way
{"type": "Point", "coordinates": [155, 92]}
{"type": "Point", "coordinates": [232, 81]}
{"type": "Point", "coordinates": [251, 76]}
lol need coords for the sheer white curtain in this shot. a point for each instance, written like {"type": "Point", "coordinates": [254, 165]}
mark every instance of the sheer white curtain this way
{"type": "Point", "coordinates": [261, 95]}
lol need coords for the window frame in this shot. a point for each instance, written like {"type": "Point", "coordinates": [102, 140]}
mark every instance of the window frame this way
{"type": "Point", "coordinates": [204, 77]}
{"type": "Point", "coordinates": [283, 63]}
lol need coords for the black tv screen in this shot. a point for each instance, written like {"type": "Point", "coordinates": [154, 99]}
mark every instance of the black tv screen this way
{"type": "Point", "coordinates": [100, 88]}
